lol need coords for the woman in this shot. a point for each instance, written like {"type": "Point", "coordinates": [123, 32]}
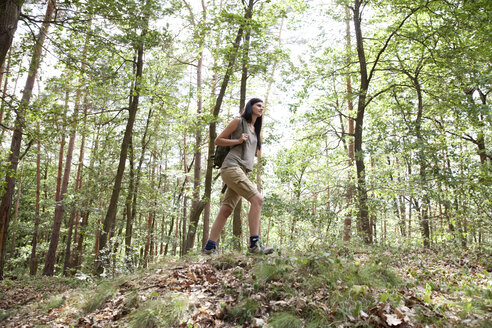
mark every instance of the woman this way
{"type": "Point", "coordinates": [234, 172]}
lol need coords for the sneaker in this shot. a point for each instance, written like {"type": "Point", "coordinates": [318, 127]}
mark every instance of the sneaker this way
{"type": "Point", "coordinates": [213, 251]}
{"type": "Point", "coordinates": [259, 249]}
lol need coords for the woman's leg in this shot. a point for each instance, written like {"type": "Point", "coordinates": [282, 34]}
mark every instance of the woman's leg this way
{"type": "Point", "coordinates": [254, 214]}
{"type": "Point", "coordinates": [224, 212]}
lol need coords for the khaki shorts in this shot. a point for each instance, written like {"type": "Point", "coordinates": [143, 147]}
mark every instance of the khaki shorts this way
{"type": "Point", "coordinates": [238, 185]}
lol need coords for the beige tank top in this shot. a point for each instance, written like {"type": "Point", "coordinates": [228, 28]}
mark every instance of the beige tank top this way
{"type": "Point", "coordinates": [233, 158]}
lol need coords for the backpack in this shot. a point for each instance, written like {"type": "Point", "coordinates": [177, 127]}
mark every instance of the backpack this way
{"type": "Point", "coordinates": [221, 151]}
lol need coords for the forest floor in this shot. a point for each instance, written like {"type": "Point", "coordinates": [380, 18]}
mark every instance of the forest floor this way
{"type": "Point", "coordinates": [337, 288]}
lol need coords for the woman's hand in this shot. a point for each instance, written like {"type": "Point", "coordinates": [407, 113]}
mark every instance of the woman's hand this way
{"type": "Point", "coordinates": [243, 138]}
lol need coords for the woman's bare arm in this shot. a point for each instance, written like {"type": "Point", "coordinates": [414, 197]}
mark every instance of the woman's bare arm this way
{"type": "Point", "coordinates": [223, 138]}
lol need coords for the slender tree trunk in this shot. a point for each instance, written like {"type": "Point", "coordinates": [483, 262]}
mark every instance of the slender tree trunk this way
{"type": "Point", "coordinates": [110, 218]}
{"type": "Point", "coordinates": [85, 213]}
{"type": "Point", "coordinates": [186, 183]}
{"type": "Point", "coordinates": [237, 225]}
{"type": "Point", "coordinates": [78, 185]}
{"type": "Point", "coordinates": [401, 205]}
{"type": "Point", "coordinates": [206, 224]}
{"type": "Point", "coordinates": [131, 201]}
{"type": "Point", "coordinates": [259, 167]}
{"type": "Point", "coordinates": [361, 106]}
{"type": "Point", "coordinates": [206, 211]}
{"type": "Point", "coordinates": [6, 203]}
{"type": "Point", "coordinates": [9, 16]}
{"type": "Point", "coordinates": [16, 210]}
{"type": "Point", "coordinates": [200, 35]}
{"type": "Point", "coordinates": [365, 78]}
{"type": "Point", "coordinates": [78, 180]}
{"type": "Point", "coordinates": [4, 92]}
{"type": "Point", "coordinates": [33, 263]}
{"type": "Point", "coordinates": [351, 154]}
{"type": "Point", "coordinates": [60, 206]}
{"type": "Point", "coordinates": [424, 218]}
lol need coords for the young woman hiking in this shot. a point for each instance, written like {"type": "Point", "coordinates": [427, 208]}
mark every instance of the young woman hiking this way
{"type": "Point", "coordinates": [234, 172]}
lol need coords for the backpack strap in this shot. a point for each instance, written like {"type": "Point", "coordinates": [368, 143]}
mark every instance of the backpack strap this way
{"type": "Point", "coordinates": [245, 128]}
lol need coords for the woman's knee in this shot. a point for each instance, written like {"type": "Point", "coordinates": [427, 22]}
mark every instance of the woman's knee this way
{"type": "Point", "coordinates": [226, 210]}
{"type": "Point", "coordinates": [257, 199]}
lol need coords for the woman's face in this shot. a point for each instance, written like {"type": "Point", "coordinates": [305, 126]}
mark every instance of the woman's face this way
{"type": "Point", "coordinates": [258, 108]}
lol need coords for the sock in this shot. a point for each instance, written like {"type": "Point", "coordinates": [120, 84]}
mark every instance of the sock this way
{"type": "Point", "coordinates": [253, 240]}
{"type": "Point", "coordinates": [210, 245]}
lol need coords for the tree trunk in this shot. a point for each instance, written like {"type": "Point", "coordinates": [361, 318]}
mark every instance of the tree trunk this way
{"type": "Point", "coordinates": [74, 215]}
{"type": "Point", "coordinates": [9, 16]}
{"type": "Point", "coordinates": [33, 263]}
{"type": "Point", "coordinates": [259, 168]}
{"type": "Point", "coordinates": [237, 225]}
{"type": "Point", "coordinates": [6, 203]}
{"type": "Point", "coordinates": [365, 78]}
{"type": "Point", "coordinates": [424, 218]}
{"type": "Point", "coordinates": [76, 212]}
{"type": "Point", "coordinates": [4, 92]}
{"type": "Point", "coordinates": [110, 219]}
{"type": "Point", "coordinates": [60, 206]}
{"type": "Point", "coordinates": [131, 201]}
{"type": "Point", "coordinates": [351, 154]}
{"type": "Point", "coordinates": [186, 188]}
{"type": "Point", "coordinates": [200, 28]}
{"type": "Point", "coordinates": [361, 106]}
{"type": "Point", "coordinates": [16, 210]}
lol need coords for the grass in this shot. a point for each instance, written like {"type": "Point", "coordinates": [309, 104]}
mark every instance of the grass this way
{"type": "Point", "coordinates": [285, 320]}
{"type": "Point", "coordinates": [54, 302]}
{"type": "Point", "coordinates": [344, 286]}
{"type": "Point", "coordinates": [244, 311]}
{"type": "Point", "coordinates": [4, 314]}
{"type": "Point", "coordinates": [167, 312]}
{"type": "Point", "coordinates": [104, 292]}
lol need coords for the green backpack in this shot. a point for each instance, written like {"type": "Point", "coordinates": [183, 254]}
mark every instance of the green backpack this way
{"type": "Point", "coordinates": [221, 151]}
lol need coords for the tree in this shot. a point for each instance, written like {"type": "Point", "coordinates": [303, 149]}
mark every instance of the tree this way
{"type": "Point", "coordinates": [15, 145]}
{"type": "Point", "coordinates": [10, 11]}
{"type": "Point", "coordinates": [364, 99]}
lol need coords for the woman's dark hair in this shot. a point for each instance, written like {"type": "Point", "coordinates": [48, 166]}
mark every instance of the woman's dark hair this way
{"type": "Point", "coordinates": [248, 116]}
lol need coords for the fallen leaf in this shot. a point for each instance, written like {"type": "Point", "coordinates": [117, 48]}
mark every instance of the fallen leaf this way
{"type": "Point", "coordinates": [393, 320]}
